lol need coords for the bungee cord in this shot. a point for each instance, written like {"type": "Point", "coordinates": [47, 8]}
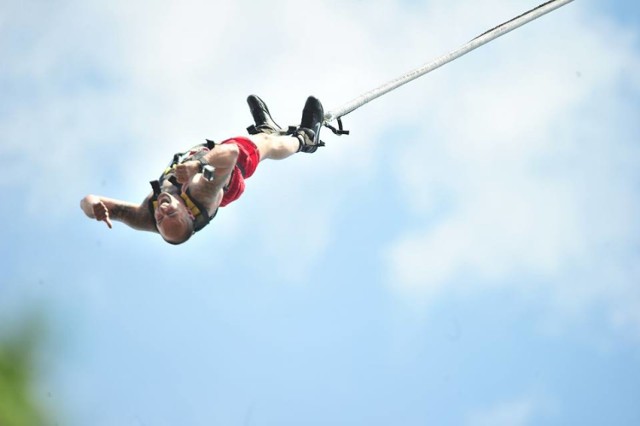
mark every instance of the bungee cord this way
{"type": "Point", "coordinates": [480, 40]}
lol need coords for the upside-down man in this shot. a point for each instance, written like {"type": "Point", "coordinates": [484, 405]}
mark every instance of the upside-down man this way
{"type": "Point", "coordinates": [197, 182]}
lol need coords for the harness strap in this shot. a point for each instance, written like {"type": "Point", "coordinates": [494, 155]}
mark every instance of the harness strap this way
{"type": "Point", "coordinates": [155, 185]}
{"type": "Point", "coordinates": [202, 216]}
{"type": "Point", "coordinates": [191, 205]}
{"type": "Point", "coordinates": [340, 130]}
{"type": "Point", "coordinates": [197, 209]}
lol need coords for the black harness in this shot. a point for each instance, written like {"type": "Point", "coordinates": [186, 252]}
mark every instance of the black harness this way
{"type": "Point", "coordinates": [197, 209]}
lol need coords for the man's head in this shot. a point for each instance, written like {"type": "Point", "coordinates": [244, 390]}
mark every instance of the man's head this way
{"type": "Point", "coordinates": [174, 220]}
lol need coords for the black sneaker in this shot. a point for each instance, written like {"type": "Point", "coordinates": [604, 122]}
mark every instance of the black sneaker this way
{"type": "Point", "coordinates": [309, 131]}
{"type": "Point", "coordinates": [262, 118]}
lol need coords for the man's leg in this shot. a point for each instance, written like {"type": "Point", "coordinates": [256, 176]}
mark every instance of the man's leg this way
{"type": "Point", "coordinates": [275, 147]}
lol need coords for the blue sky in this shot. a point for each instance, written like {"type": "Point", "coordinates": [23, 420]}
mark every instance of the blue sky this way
{"type": "Point", "coordinates": [468, 256]}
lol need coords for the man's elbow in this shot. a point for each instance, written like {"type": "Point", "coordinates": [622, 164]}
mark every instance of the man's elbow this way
{"type": "Point", "coordinates": [232, 154]}
{"type": "Point", "coordinates": [223, 156]}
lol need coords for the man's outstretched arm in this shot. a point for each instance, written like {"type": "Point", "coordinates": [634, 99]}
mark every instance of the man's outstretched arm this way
{"type": "Point", "coordinates": [104, 209]}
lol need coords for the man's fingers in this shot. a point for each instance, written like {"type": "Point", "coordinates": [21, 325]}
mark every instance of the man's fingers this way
{"type": "Point", "coordinates": [101, 212]}
{"type": "Point", "coordinates": [185, 171]}
{"type": "Point", "coordinates": [181, 173]}
{"type": "Point", "coordinates": [105, 219]}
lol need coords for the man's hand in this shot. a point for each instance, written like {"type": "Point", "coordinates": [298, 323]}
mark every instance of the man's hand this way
{"type": "Point", "coordinates": [187, 170]}
{"type": "Point", "coordinates": [101, 213]}
{"type": "Point", "coordinates": [96, 209]}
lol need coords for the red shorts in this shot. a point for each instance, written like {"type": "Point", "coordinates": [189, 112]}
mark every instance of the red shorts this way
{"type": "Point", "coordinates": [248, 160]}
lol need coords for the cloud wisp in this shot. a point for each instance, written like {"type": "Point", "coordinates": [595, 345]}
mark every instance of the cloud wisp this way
{"type": "Point", "coordinates": [536, 153]}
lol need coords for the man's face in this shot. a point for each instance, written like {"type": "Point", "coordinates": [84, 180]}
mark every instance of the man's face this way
{"type": "Point", "coordinates": [172, 217]}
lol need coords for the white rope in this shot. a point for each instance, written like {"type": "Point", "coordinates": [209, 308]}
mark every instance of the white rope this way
{"type": "Point", "coordinates": [473, 44]}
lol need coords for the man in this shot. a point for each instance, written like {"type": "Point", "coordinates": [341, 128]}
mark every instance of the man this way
{"type": "Point", "coordinates": [189, 192]}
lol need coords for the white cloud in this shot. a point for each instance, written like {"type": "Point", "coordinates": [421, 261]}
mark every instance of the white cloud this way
{"type": "Point", "coordinates": [118, 87]}
{"type": "Point", "coordinates": [534, 153]}
{"type": "Point", "coordinates": [170, 75]}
